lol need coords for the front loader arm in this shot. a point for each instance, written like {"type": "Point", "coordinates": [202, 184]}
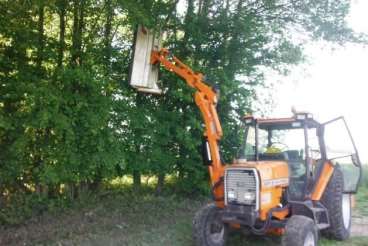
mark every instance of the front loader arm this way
{"type": "Point", "coordinates": [206, 99]}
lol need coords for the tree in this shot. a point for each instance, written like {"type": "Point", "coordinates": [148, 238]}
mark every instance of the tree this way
{"type": "Point", "coordinates": [68, 117]}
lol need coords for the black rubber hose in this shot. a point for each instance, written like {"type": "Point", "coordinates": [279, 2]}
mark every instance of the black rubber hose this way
{"type": "Point", "coordinates": [266, 225]}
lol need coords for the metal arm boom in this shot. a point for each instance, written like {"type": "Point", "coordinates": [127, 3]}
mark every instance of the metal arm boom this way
{"type": "Point", "coordinates": [206, 99]}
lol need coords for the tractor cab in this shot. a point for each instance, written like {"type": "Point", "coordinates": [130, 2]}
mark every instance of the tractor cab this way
{"type": "Point", "coordinates": [304, 144]}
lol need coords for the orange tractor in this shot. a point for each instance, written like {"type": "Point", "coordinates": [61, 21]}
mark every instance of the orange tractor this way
{"type": "Point", "coordinates": [293, 177]}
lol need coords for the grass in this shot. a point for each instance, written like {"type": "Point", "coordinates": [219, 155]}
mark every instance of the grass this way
{"type": "Point", "coordinates": [116, 217]}
{"type": "Point", "coordinates": [356, 241]}
{"type": "Point", "coordinates": [362, 201]}
{"type": "Point", "coordinates": [121, 215]}
{"type": "Point", "coordinates": [127, 217]}
{"type": "Point", "coordinates": [362, 196]}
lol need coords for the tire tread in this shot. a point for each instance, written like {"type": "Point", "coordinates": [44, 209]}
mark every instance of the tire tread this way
{"type": "Point", "coordinates": [332, 200]}
{"type": "Point", "coordinates": [296, 230]}
{"type": "Point", "coordinates": [199, 224]}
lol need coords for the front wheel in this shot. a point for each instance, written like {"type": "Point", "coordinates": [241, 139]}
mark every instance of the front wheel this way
{"type": "Point", "coordinates": [300, 231]}
{"type": "Point", "coordinates": [208, 228]}
{"type": "Point", "coordinates": [338, 205]}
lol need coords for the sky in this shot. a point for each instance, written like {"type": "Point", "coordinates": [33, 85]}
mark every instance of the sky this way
{"type": "Point", "coordinates": [331, 83]}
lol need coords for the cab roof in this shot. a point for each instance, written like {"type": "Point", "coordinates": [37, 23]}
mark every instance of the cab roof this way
{"type": "Point", "coordinates": [284, 123]}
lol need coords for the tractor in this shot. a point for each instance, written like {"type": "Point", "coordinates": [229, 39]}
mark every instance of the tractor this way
{"type": "Point", "coordinates": [292, 177]}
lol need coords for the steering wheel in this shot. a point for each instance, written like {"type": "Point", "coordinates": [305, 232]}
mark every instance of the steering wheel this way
{"type": "Point", "coordinates": [281, 146]}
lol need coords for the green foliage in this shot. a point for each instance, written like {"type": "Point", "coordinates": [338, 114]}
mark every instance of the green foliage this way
{"type": "Point", "coordinates": [68, 118]}
{"type": "Point", "coordinates": [23, 207]}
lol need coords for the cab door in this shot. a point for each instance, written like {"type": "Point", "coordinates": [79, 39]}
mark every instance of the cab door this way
{"type": "Point", "coordinates": [340, 149]}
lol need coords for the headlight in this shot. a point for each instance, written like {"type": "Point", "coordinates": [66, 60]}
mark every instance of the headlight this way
{"type": "Point", "coordinates": [249, 196]}
{"type": "Point", "coordinates": [303, 116]}
{"type": "Point", "coordinates": [248, 121]}
{"type": "Point", "coordinates": [231, 195]}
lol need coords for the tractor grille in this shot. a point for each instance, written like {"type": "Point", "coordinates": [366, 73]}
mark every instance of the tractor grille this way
{"type": "Point", "coordinates": [241, 186]}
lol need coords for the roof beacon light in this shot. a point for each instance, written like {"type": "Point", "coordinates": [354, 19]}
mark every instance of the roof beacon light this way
{"type": "Point", "coordinates": [301, 116]}
{"type": "Point", "coordinates": [248, 119]}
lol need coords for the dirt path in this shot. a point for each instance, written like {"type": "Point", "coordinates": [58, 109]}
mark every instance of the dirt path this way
{"type": "Point", "coordinates": [359, 226]}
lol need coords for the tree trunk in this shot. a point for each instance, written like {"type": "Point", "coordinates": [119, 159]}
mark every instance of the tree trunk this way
{"type": "Point", "coordinates": [137, 179]}
{"type": "Point", "coordinates": [41, 190]}
{"type": "Point", "coordinates": [202, 24]}
{"type": "Point", "coordinates": [54, 191]}
{"type": "Point", "coordinates": [96, 184]}
{"type": "Point", "coordinates": [75, 35]}
{"type": "Point", "coordinates": [160, 183]}
{"type": "Point", "coordinates": [137, 173]}
{"type": "Point", "coordinates": [200, 6]}
{"type": "Point", "coordinates": [41, 42]}
{"type": "Point", "coordinates": [234, 44]}
{"type": "Point", "coordinates": [78, 24]}
{"type": "Point", "coordinates": [62, 4]}
{"type": "Point", "coordinates": [188, 20]}
{"type": "Point", "coordinates": [107, 34]}
{"type": "Point", "coordinates": [71, 190]}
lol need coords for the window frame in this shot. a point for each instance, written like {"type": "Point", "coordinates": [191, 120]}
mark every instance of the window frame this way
{"type": "Point", "coordinates": [354, 156]}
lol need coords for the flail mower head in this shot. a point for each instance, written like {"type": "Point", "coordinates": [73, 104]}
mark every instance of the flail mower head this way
{"type": "Point", "coordinates": [144, 75]}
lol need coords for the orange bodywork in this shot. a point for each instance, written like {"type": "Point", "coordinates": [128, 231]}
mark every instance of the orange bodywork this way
{"type": "Point", "coordinates": [206, 99]}
{"type": "Point", "coordinates": [276, 231]}
{"type": "Point", "coordinates": [274, 178]}
{"type": "Point", "coordinates": [321, 184]}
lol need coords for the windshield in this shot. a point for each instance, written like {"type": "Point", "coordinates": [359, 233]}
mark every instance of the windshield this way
{"type": "Point", "coordinates": [272, 144]}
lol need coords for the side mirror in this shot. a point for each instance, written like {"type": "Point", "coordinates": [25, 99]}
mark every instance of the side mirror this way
{"type": "Point", "coordinates": [355, 160]}
{"type": "Point", "coordinates": [206, 152]}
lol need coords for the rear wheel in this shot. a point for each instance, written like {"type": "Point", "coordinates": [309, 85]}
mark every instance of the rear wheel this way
{"type": "Point", "coordinates": [300, 231]}
{"type": "Point", "coordinates": [338, 205]}
{"type": "Point", "coordinates": [208, 228]}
